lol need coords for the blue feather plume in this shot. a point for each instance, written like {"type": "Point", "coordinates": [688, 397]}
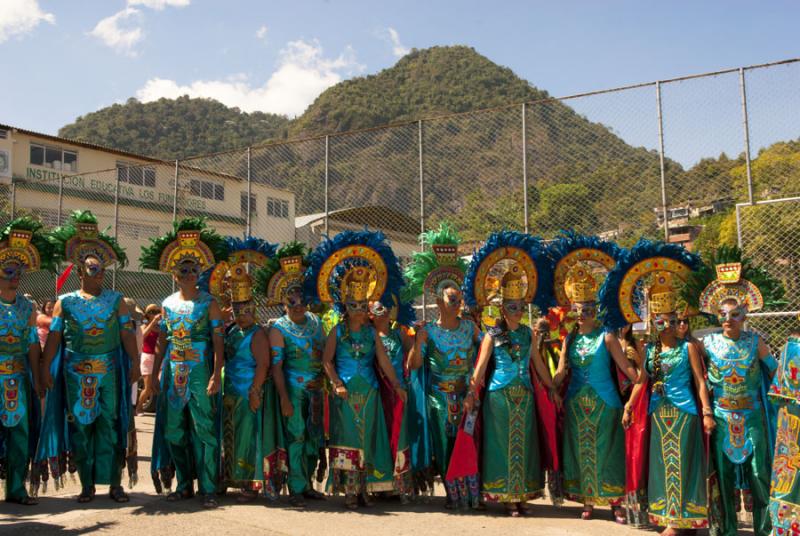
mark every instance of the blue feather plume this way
{"type": "Point", "coordinates": [259, 245]}
{"type": "Point", "coordinates": [569, 241]}
{"type": "Point", "coordinates": [375, 240]}
{"type": "Point", "coordinates": [644, 249]}
{"type": "Point", "coordinates": [532, 246]}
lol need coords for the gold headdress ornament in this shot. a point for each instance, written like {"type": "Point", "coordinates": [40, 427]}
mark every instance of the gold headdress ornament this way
{"type": "Point", "coordinates": [186, 247]}
{"type": "Point", "coordinates": [580, 285]}
{"type": "Point", "coordinates": [566, 263]}
{"type": "Point", "coordinates": [241, 284]}
{"type": "Point", "coordinates": [518, 281]}
{"type": "Point", "coordinates": [289, 277]}
{"type": "Point", "coordinates": [19, 250]}
{"type": "Point", "coordinates": [512, 287]}
{"type": "Point", "coordinates": [359, 284]}
{"type": "Point", "coordinates": [367, 281]}
{"type": "Point", "coordinates": [730, 285]}
{"type": "Point", "coordinates": [662, 296]}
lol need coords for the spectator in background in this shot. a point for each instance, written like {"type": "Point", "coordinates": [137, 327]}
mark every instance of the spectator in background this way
{"type": "Point", "coordinates": [150, 331]}
{"type": "Point", "coordinates": [43, 320]}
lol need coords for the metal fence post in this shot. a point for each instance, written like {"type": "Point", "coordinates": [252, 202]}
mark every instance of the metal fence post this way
{"type": "Point", "coordinates": [327, 154]}
{"type": "Point", "coordinates": [116, 230]}
{"type": "Point", "coordinates": [60, 197]}
{"type": "Point", "coordinates": [421, 206]}
{"type": "Point", "coordinates": [249, 194]}
{"type": "Point", "coordinates": [13, 198]}
{"type": "Point", "coordinates": [175, 195]}
{"type": "Point", "coordinates": [746, 128]}
{"type": "Point", "coordinates": [525, 169]}
{"type": "Point", "coordinates": [661, 162]}
{"type": "Point", "coordinates": [739, 226]}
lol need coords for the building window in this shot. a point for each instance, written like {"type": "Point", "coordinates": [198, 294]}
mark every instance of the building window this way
{"type": "Point", "coordinates": [136, 175]}
{"type": "Point", "coordinates": [3, 134]}
{"type": "Point", "coordinates": [53, 158]}
{"type": "Point", "coordinates": [277, 208]}
{"type": "Point", "coordinates": [243, 203]}
{"type": "Point", "coordinates": [137, 231]}
{"type": "Point", "coordinates": [207, 190]}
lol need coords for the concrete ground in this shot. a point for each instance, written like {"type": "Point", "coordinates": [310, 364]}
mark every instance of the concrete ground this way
{"type": "Point", "coordinates": [148, 514]}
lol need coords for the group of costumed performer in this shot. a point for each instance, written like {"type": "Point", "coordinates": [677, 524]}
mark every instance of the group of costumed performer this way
{"type": "Point", "coordinates": [509, 272]}
{"type": "Point", "coordinates": [186, 438]}
{"type": "Point", "coordinates": [23, 248]}
{"type": "Point", "coordinates": [350, 271]}
{"type": "Point", "coordinates": [89, 362]}
{"type": "Point", "coordinates": [647, 279]}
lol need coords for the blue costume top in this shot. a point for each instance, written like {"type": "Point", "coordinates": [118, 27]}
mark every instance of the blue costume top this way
{"type": "Point", "coordinates": [187, 325]}
{"type": "Point", "coordinates": [786, 384]}
{"type": "Point", "coordinates": [240, 363]}
{"type": "Point", "coordinates": [449, 355]}
{"type": "Point", "coordinates": [302, 352]}
{"type": "Point", "coordinates": [355, 354]}
{"type": "Point", "coordinates": [393, 344]}
{"type": "Point", "coordinates": [16, 336]}
{"type": "Point", "coordinates": [512, 357]}
{"type": "Point", "coordinates": [676, 375]}
{"type": "Point", "coordinates": [590, 363]}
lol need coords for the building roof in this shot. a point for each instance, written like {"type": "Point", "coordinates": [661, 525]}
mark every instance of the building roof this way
{"type": "Point", "coordinates": [372, 216]}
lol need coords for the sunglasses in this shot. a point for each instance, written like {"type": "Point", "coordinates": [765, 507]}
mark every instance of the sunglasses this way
{"type": "Point", "coordinates": [514, 307]}
{"type": "Point", "coordinates": [93, 270]}
{"type": "Point", "coordinates": [357, 306]}
{"type": "Point", "coordinates": [732, 315]}
{"type": "Point", "coordinates": [661, 324]}
{"type": "Point", "coordinates": [683, 321]}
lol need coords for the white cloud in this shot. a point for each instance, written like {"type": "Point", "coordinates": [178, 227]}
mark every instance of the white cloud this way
{"type": "Point", "coordinates": [158, 5]}
{"type": "Point", "coordinates": [397, 47]}
{"type": "Point", "coordinates": [112, 34]}
{"type": "Point", "coordinates": [18, 17]}
{"type": "Point", "coordinates": [303, 73]}
{"type": "Point", "coordinates": [262, 32]}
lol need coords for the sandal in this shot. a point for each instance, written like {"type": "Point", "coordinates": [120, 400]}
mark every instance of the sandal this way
{"type": "Point", "coordinates": [351, 502]}
{"type": "Point", "coordinates": [209, 501]}
{"type": "Point", "coordinates": [27, 500]}
{"type": "Point", "coordinates": [87, 495]}
{"type": "Point", "coordinates": [363, 500]}
{"type": "Point", "coordinates": [523, 508]}
{"type": "Point", "coordinates": [118, 494]}
{"type": "Point", "coordinates": [313, 494]}
{"type": "Point", "coordinates": [512, 510]}
{"type": "Point", "coordinates": [586, 515]}
{"type": "Point", "coordinates": [176, 496]}
{"type": "Point", "coordinates": [296, 500]}
{"type": "Point", "coordinates": [619, 516]}
{"type": "Point", "coordinates": [246, 496]}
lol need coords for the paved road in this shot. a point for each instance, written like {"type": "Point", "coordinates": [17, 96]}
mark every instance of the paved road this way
{"type": "Point", "coordinates": [150, 515]}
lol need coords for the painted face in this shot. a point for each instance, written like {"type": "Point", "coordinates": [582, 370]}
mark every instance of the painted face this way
{"type": "Point", "coordinates": [295, 300]}
{"type": "Point", "coordinates": [513, 307]}
{"type": "Point", "coordinates": [451, 298]}
{"type": "Point", "coordinates": [92, 268]}
{"type": "Point", "coordinates": [730, 314]}
{"type": "Point", "coordinates": [186, 270]}
{"type": "Point", "coordinates": [584, 311]}
{"type": "Point", "coordinates": [665, 322]}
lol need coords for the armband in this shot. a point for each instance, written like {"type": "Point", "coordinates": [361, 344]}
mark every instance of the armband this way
{"type": "Point", "coordinates": [57, 324]}
{"type": "Point", "coordinates": [276, 353]}
{"type": "Point", "coordinates": [218, 327]}
{"type": "Point", "coordinates": [770, 362]}
{"type": "Point", "coordinates": [125, 323]}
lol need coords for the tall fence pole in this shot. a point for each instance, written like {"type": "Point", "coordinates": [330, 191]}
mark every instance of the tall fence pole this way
{"type": "Point", "coordinates": [746, 128]}
{"type": "Point", "coordinates": [175, 206]}
{"type": "Point", "coordinates": [327, 155]}
{"type": "Point", "coordinates": [525, 169]}
{"type": "Point", "coordinates": [13, 198]}
{"type": "Point", "coordinates": [421, 205]}
{"type": "Point", "coordinates": [249, 194]}
{"type": "Point", "coordinates": [116, 229]}
{"type": "Point", "coordinates": [739, 226]}
{"type": "Point", "coordinates": [661, 161]}
{"type": "Point", "coordinates": [60, 197]}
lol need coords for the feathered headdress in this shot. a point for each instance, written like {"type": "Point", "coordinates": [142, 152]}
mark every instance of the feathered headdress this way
{"type": "Point", "coordinates": [512, 264]}
{"type": "Point", "coordinates": [230, 281]}
{"type": "Point", "coordinates": [648, 271]}
{"type": "Point", "coordinates": [355, 264]}
{"type": "Point", "coordinates": [189, 240]}
{"type": "Point", "coordinates": [23, 243]}
{"type": "Point", "coordinates": [282, 272]}
{"type": "Point", "coordinates": [430, 270]}
{"type": "Point", "coordinates": [80, 238]}
{"type": "Point", "coordinates": [572, 249]}
{"type": "Point", "coordinates": [727, 274]}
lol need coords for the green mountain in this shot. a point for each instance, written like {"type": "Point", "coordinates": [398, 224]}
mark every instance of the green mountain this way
{"type": "Point", "coordinates": [175, 128]}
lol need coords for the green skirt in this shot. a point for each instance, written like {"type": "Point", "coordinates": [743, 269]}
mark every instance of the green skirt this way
{"type": "Point", "coordinates": [274, 455]}
{"type": "Point", "coordinates": [360, 456]}
{"type": "Point", "coordinates": [240, 436]}
{"type": "Point", "coordinates": [676, 487]}
{"type": "Point", "coordinates": [594, 450]}
{"type": "Point", "coordinates": [511, 466]}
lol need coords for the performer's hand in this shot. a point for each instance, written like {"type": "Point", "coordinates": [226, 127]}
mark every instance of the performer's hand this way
{"type": "Point", "coordinates": [287, 409]}
{"type": "Point", "coordinates": [401, 393]}
{"type": "Point", "coordinates": [135, 374]}
{"type": "Point", "coordinates": [558, 402]}
{"type": "Point", "coordinates": [340, 391]}
{"type": "Point", "coordinates": [627, 417]}
{"type": "Point", "coordinates": [255, 401]}
{"type": "Point", "coordinates": [709, 424]}
{"type": "Point", "coordinates": [469, 402]}
{"type": "Point", "coordinates": [213, 385]}
{"type": "Point", "coordinates": [558, 379]}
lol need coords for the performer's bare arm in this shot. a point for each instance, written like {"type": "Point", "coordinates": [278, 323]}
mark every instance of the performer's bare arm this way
{"type": "Point", "coordinates": [388, 370]}
{"type": "Point", "coordinates": [561, 369]}
{"type": "Point", "coordinates": [696, 361]}
{"type": "Point", "coordinates": [128, 339]}
{"type": "Point", "coordinates": [484, 353]}
{"type": "Point", "coordinates": [330, 368]}
{"type": "Point", "coordinates": [415, 357]}
{"type": "Point", "coordinates": [260, 348]}
{"type": "Point", "coordinates": [764, 352]}
{"type": "Point", "coordinates": [615, 349]}
{"type": "Point", "coordinates": [50, 349]}
{"type": "Point", "coordinates": [214, 383]}
{"type": "Point", "coordinates": [276, 340]}
{"type": "Point", "coordinates": [34, 357]}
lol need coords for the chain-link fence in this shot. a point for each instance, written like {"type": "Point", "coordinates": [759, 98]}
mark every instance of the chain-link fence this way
{"type": "Point", "coordinates": [698, 160]}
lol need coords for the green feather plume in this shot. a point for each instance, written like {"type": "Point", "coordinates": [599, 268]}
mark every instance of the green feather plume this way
{"type": "Point", "coordinates": [59, 236]}
{"type": "Point", "coordinates": [48, 254]}
{"type": "Point", "coordinates": [151, 254]}
{"type": "Point", "coordinates": [264, 274]}
{"type": "Point", "coordinates": [423, 262]}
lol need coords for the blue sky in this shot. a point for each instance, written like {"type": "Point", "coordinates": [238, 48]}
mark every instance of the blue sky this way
{"type": "Point", "coordinates": [62, 59]}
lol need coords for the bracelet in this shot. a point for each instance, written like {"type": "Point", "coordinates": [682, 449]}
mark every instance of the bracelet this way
{"type": "Point", "coordinates": [628, 410]}
{"type": "Point", "coordinates": [707, 412]}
